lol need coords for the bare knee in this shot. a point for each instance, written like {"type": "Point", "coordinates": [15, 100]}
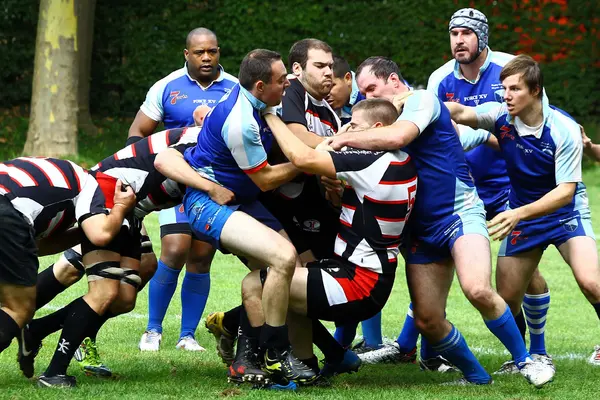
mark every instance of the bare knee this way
{"type": "Point", "coordinates": [174, 251]}
{"type": "Point", "coordinates": [66, 273]}
{"type": "Point", "coordinates": [102, 294]}
{"type": "Point", "coordinates": [429, 323]}
{"type": "Point", "coordinates": [590, 289]}
{"type": "Point", "coordinates": [285, 261]}
{"type": "Point", "coordinates": [251, 287]}
{"type": "Point", "coordinates": [125, 301]}
{"type": "Point", "coordinates": [21, 309]}
{"type": "Point", "coordinates": [481, 296]}
{"type": "Point", "coordinates": [148, 266]}
{"type": "Point", "coordinates": [538, 284]}
{"type": "Point", "coordinates": [199, 263]}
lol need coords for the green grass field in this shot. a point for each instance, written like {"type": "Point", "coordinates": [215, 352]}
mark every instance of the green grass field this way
{"type": "Point", "coordinates": [572, 331]}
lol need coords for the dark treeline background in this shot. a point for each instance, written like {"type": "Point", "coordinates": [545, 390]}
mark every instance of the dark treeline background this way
{"type": "Point", "coordinates": [139, 42]}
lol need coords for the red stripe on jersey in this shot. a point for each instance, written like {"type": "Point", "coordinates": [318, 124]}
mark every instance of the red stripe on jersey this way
{"type": "Point", "coordinates": [40, 169]}
{"type": "Point", "coordinates": [26, 173]}
{"type": "Point", "coordinates": [77, 180]}
{"type": "Point", "coordinates": [349, 207]}
{"type": "Point", "coordinates": [167, 139]}
{"type": "Point", "coordinates": [382, 182]}
{"type": "Point", "coordinates": [400, 162]}
{"type": "Point", "coordinates": [390, 236]}
{"type": "Point", "coordinates": [386, 202]}
{"type": "Point", "coordinates": [11, 178]}
{"type": "Point", "coordinates": [257, 168]}
{"type": "Point", "coordinates": [49, 233]}
{"type": "Point", "coordinates": [345, 223]}
{"type": "Point", "coordinates": [390, 219]}
{"type": "Point", "coordinates": [329, 124]}
{"type": "Point", "coordinates": [341, 238]}
{"type": "Point", "coordinates": [107, 185]}
{"type": "Point", "coordinates": [361, 285]}
{"type": "Point", "coordinates": [4, 187]}
{"type": "Point", "coordinates": [62, 172]}
{"type": "Point", "coordinates": [133, 149]}
{"type": "Point", "coordinates": [150, 149]}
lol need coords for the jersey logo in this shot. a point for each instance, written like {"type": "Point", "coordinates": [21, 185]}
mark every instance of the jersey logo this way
{"type": "Point", "coordinates": [505, 132]}
{"type": "Point", "coordinates": [311, 225]}
{"type": "Point", "coordinates": [571, 226]}
{"type": "Point", "coordinates": [516, 235]}
{"type": "Point", "coordinates": [450, 97]}
{"type": "Point", "coordinates": [174, 95]}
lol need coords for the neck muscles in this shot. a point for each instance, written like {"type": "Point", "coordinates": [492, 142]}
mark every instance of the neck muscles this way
{"type": "Point", "coordinates": [471, 71]}
{"type": "Point", "coordinates": [533, 115]}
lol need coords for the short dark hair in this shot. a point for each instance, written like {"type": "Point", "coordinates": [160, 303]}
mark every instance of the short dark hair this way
{"type": "Point", "coordinates": [377, 110]}
{"type": "Point", "coordinates": [256, 66]}
{"type": "Point", "coordinates": [340, 66]}
{"type": "Point", "coordinates": [530, 70]}
{"type": "Point", "coordinates": [299, 51]}
{"type": "Point", "coordinates": [198, 32]}
{"type": "Point", "coordinates": [381, 67]}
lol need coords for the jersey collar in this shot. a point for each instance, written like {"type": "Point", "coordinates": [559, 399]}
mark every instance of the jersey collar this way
{"type": "Point", "coordinates": [219, 78]}
{"type": "Point", "coordinates": [458, 74]}
{"type": "Point", "coordinates": [546, 111]}
{"type": "Point", "coordinates": [256, 103]}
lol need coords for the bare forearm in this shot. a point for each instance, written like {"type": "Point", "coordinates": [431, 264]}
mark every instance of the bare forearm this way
{"type": "Point", "coordinates": [64, 241]}
{"type": "Point", "coordinates": [593, 151]}
{"type": "Point", "coordinates": [171, 164]}
{"type": "Point", "coordinates": [289, 143]}
{"type": "Point", "coordinates": [552, 201]}
{"type": "Point", "coordinates": [280, 174]}
{"type": "Point", "coordinates": [371, 140]}
{"type": "Point", "coordinates": [462, 114]}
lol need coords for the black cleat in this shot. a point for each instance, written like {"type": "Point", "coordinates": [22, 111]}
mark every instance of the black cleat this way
{"type": "Point", "coordinates": [28, 349]}
{"type": "Point", "coordinates": [285, 366]}
{"type": "Point", "coordinates": [245, 366]}
{"type": "Point", "coordinates": [57, 381]}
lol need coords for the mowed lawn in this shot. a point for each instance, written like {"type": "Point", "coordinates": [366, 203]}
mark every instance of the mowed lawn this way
{"type": "Point", "coordinates": [572, 331]}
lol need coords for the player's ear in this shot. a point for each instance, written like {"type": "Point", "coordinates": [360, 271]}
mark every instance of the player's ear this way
{"type": "Point", "coordinates": [348, 78]}
{"type": "Point", "coordinates": [296, 69]}
{"type": "Point", "coordinates": [186, 54]}
{"type": "Point", "coordinates": [260, 86]}
{"type": "Point", "coordinates": [377, 125]}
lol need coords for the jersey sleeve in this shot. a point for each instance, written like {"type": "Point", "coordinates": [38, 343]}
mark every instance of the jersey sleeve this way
{"type": "Point", "coordinates": [488, 114]}
{"type": "Point", "coordinates": [293, 107]}
{"type": "Point", "coordinates": [153, 105]}
{"type": "Point", "coordinates": [91, 201]}
{"type": "Point", "coordinates": [187, 140]}
{"type": "Point", "coordinates": [471, 138]}
{"type": "Point", "coordinates": [243, 140]}
{"type": "Point", "coordinates": [422, 109]}
{"type": "Point", "coordinates": [569, 150]}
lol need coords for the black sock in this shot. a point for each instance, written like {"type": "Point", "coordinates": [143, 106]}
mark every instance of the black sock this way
{"type": "Point", "coordinates": [47, 287]}
{"type": "Point", "coordinates": [331, 349]}
{"type": "Point", "coordinates": [246, 329]}
{"type": "Point", "coordinates": [8, 330]}
{"type": "Point", "coordinates": [520, 320]}
{"type": "Point", "coordinates": [231, 320]}
{"type": "Point", "coordinates": [76, 324]}
{"type": "Point", "coordinates": [597, 308]}
{"type": "Point", "coordinates": [312, 363]}
{"type": "Point", "coordinates": [93, 329]}
{"type": "Point", "coordinates": [274, 337]}
{"type": "Point", "coordinates": [42, 327]}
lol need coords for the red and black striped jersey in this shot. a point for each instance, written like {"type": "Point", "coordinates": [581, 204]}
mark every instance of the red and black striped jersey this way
{"type": "Point", "coordinates": [134, 166]}
{"type": "Point", "coordinates": [51, 194]}
{"type": "Point", "coordinates": [380, 189]}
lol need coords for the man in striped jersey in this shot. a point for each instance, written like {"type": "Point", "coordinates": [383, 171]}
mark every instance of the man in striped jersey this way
{"type": "Point", "coordinates": [355, 283]}
{"type": "Point", "coordinates": [42, 198]}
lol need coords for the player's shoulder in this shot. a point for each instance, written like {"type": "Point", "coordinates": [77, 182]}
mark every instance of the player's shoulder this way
{"type": "Point", "coordinates": [499, 58]}
{"type": "Point", "coordinates": [562, 124]}
{"type": "Point", "coordinates": [173, 76]}
{"type": "Point", "coordinates": [228, 79]}
{"type": "Point", "coordinates": [440, 74]}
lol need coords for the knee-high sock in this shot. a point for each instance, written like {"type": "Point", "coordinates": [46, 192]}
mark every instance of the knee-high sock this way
{"type": "Point", "coordinates": [409, 334]}
{"type": "Point", "coordinates": [536, 308]}
{"type": "Point", "coordinates": [331, 348]}
{"type": "Point", "coordinates": [47, 287]}
{"type": "Point", "coordinates": [92, 331]}
{"type": "Point", "coordinates": [520, 320]}
{"type": "Point", "coordinates": [162, 286]}
{"type": "Point", "coordinates": [194, 294]}
{"type": "Point", "coordinates": [344, 334]}
{"type": "Point", "coordinates": [48, 324]}
{"type": "Point", "coordinates": [80, 315]}
{"type": "Point", "coordinates": [8, 330]}
{"type": "Point", "coordinates": [505, 329]}
{"type": "Point", "coordinates": [455, 349]}
{"type": "Point", "coordinates": [427, 351]}
{"type": "Point", "coordinates": [231, 320]}
{"type": "Point", "coordinates": [371, 329]}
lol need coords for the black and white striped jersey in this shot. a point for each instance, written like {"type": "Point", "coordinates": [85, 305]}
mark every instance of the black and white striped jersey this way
{"type": "Point", "coordinates": [51, 194]}
{"type": "Point", "coordinates": [380, 189]}
{"type": "Point", "coordinates": [134, 165]}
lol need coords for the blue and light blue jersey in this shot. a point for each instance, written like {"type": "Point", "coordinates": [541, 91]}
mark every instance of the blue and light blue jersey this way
{"type": "Point", "coordinates": [539, 159]}
{"type": "Point", "coordinates": [355, 96]}
{"type": "Point", "coordinates": [234, 142]}
{"type": "Point", "coordinates": [487, 166]}
{"type": "Point", "coordinates": [445, 186]}
{"type": "Point", "coordinates": [174, 98]}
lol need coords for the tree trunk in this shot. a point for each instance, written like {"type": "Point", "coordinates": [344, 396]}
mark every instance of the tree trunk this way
{"type": "Point", "coordinates": [85, 35]}
{"type": "Point", "coordinates": [53, 120]}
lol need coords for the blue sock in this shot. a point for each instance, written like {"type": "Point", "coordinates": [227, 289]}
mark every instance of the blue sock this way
{"type": "Point", "coordinates": [194, 293]}
{"type": "Point", "coordinates": [344, 334]}
{"type": "Point", "coordinates": [455, 349]}
{"type": "Point", "coordinates": [505, 328]}
{"type": "Point", "coordinates": [536, 307]}
{"type": "Point", "coordinates": [409, 335]}
{"type": "Point", "coordinates": [427, 351]}
{"type": "Point", "coordinates": [371, 329]}
{"type": "Point", "coordinates": [161, 289]}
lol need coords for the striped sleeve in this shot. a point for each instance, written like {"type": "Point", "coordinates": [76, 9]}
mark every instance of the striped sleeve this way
{"type": "Point", "coordinates": [241, 134]}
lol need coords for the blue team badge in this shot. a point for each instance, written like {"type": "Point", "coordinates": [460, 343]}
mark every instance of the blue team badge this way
{"type": "Point", "coordinates": [571, 226]}
{"type": "Point", "coordinates": [499, 96]}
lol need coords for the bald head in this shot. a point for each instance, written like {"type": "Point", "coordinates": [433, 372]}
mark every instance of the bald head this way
{"type": "Point", "coordinates": [199, 32]}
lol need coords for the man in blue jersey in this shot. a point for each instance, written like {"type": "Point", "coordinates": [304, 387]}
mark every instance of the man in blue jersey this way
{"type": "Point", "coordinates": [472, 78]}
{"type": "Point", "coordinates": [232, 151]}
{"type": "Point", "coordinates": [447, 227]}
{"type": "Point", "coordinates": [173, 100]}
{"type": "Point", "coordinates": [548, 201]}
